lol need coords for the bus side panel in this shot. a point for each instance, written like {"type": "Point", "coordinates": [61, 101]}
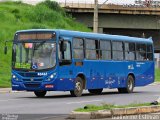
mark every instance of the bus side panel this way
{"type": "Point", "coordinates": [65, 79]}
{"type": "Point", "coordinates": [91, 69]}
{"type": "Point", "coordinates": [104, 74]}
{"type": "Point", "coordinates": [144, 73]}
{"type": "Point", "coordinates": [115, 70]}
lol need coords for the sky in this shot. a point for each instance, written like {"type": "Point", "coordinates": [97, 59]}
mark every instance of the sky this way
{"type": "Point", "coordinates": [84, 1]}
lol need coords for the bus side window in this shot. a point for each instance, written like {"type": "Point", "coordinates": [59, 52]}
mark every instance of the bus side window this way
{"type": "Point", "coordinates": [78, 48]}
{"type": "Point", "coordinates": [117, 50]}
{"type": "Point", "coordinates": [65, 53]}
{"type": "Point", "coordinates": [149, 52]}
{"type": "Point", "coordinates": [141, 51]}
{"type": "Point", "coordinates": [91, 51]}
{"type": "Point", "coordinates": [130, 51]}
{"type": "Point", "coordinates": [105, 50]}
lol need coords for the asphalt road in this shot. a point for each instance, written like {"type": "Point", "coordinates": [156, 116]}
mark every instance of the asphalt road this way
{"type": "Point", "coordinates": [61, 103]}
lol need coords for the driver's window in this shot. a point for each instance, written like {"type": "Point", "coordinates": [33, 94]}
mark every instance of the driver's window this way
{"type": "Point", "coordinates": [65, 55]}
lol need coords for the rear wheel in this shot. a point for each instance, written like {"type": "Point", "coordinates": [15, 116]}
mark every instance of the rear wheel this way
{"type": "Point", "coordinates": [95, 91]}
{"type": "Point", "coordinates": [40, 93]}
{"type": "Point", "coordinates": [129, 87]}
{"type": "Point", "coordinates": [78, 89]}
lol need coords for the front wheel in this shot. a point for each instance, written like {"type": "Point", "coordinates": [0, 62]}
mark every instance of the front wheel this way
{"type": "Point", "coordinates": [40, 93]}
{"type": "Point", "coordinates": [78, 89]}
{"type": "Point", "coordinates": [129, 86]}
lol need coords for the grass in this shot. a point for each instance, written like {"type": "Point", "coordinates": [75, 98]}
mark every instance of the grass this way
{"type": "Point", "coordinates": [19, 16]}
{"type": "Point", "coordinates": [157, 75]}
{"type": "Point", "coordinates": [90, 108]}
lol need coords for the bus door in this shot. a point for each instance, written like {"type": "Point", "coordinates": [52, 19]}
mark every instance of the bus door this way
{"type": "Point", "coordinates": [65, 65]}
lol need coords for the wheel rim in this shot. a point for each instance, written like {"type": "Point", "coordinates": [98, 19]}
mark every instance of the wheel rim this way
{"type": "Point", "coordinates": [130, 84]}
{"type": "Point", "coordinates": [78, 86]}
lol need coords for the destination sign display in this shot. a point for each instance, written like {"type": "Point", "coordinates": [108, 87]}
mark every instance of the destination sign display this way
{"type": "Point", "coordinates": [36, 36]}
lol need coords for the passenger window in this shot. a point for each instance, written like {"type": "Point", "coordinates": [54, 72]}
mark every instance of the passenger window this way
{"type": "Point", "coordinates": [141, 51]}
{"type": "Point", "coordinates": [117, 51]}
{"type": "Point", "coordinates": [91, 49]}
{"type": "Point", "coordinates": [78, 43]}
{"type": "Point", "coordinates": [91, 54]}
{"type": "Point", "coordinates": [130, 51]}
{"type": "Point", "coordinates": [90, 44]}
{"type": "Point", "coordinates": [118, 46]}
{"type": "Point", "coordinates": [78, 48]}
{"type": "Point", "coordinates": [105, 50]}
{"type": "Point", "coordinates": [105, 45]}
{"type": "Point", "coordinates": [149, 52]}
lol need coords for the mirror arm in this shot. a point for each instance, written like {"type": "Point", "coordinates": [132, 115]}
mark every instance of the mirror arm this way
{"type": "Point", "coordinates": [5, 43]}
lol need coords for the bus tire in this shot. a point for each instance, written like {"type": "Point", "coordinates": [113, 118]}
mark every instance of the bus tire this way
{"type": "Point", "coordinates": [129, 87]}
{"type": "Point", "coordinates": [40, 94]}
{"type": "Point", "coordinates": [78, 89]}
{"type": "Point", "coordinates": [95, 91]}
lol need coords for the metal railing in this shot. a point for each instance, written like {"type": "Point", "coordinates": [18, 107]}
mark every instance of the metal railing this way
{"type": "Point", "coordinates": [76, 5]}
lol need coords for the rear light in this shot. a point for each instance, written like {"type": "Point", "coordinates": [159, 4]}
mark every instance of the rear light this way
{"type": "Point", "coordinates": [49, 86]}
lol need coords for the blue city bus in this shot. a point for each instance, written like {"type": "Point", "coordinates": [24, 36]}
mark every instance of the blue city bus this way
{"type": "Point", "coordinates": [62, 60]}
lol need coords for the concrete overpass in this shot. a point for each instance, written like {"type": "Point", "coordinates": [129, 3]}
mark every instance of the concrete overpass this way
{"type": "Point", "coordinates": [120, 19]}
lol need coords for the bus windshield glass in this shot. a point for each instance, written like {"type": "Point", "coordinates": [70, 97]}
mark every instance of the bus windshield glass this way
{"type": "Point", "coordinates": [34, 56]}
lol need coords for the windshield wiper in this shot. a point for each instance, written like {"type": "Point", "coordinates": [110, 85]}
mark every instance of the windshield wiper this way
{"type": "Point", "coordinates": [37, 46]}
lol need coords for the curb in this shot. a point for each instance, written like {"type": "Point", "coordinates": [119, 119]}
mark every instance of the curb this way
{"type": "Point", "coordinates": [8, 90]}
{"type": "Point", "coordinates": [114, 112]}
{"type": "Point", "coordinates": [155, 83]}
{"type": "Point", "coordinates": [5, 90]}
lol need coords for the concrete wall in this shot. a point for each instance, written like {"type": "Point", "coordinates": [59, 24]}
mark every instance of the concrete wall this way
{"type": "Point", "coordinates": [135, 24]}
{"type": "Point", "coordinates": [120, 20]}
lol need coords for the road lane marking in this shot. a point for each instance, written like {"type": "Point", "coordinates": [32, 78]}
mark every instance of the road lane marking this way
{"type": "Point", "coordinates": [84, 102]}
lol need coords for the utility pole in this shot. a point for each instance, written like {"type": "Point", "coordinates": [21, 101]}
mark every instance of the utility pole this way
{"type": "Point", "coordinates": [95, 19]}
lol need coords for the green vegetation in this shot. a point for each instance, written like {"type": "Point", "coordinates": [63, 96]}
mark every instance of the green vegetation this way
{"type": "Point", "coordinates": [89, 108]}
{"type": "Point", "coordinates": [157, 75]}
{"type": "Point", "coordinates": [18, 16]}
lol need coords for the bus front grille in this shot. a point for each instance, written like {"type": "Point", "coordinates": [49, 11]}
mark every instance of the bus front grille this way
{"type": "Point", "coordinates": [29, 75]}
{"type": "Point", "coordinates": [32, 80]}
{"type": "Point", "coordinates": [32, 85]}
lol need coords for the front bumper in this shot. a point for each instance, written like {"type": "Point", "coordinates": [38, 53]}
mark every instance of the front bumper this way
{"type": "Point", "coordinates": [33, 86]}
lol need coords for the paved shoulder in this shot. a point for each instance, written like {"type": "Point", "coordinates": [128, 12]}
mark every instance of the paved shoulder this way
{"type": "Point", "coordinates": [5, 90]}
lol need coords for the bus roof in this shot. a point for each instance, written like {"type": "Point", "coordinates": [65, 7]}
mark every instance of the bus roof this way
{"type": "Point", "coordinates": [69, 33]}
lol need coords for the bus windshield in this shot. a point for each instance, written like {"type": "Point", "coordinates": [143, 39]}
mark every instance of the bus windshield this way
{"type": "Point", "coordinates": [34, 56]}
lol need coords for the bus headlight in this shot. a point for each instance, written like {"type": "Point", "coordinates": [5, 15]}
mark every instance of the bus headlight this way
{"type": "Point", "coordinates": [14, 77]}
{"type": "Point", "coordinates": [51, 77]}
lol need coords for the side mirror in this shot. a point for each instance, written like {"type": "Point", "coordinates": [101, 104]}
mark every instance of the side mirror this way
{"type": "Point", "coordinates": [5, 50]}
{"type": "Point", "coordinates": [63, 46]}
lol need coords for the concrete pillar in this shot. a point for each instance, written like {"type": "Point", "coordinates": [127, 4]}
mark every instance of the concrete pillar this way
{"type": "Point", "coordinates": [100, 30]}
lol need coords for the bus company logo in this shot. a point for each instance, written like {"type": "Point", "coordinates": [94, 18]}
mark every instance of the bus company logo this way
{"type": "Point", "coordinates": [130, 67]}
{"type": "Point", "coordinates": [32, 79]}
